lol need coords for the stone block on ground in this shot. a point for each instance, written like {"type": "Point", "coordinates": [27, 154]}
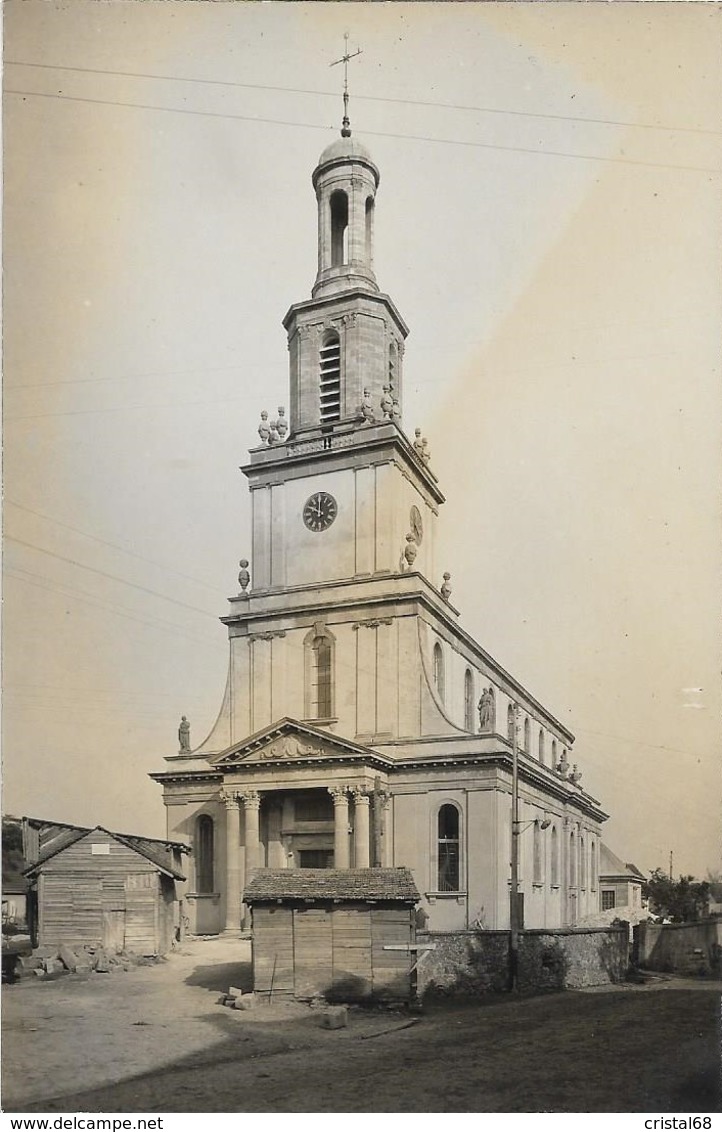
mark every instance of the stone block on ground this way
{"type": "Point", "coordinates": [47, 951]}
{"type": "Point", "coordinates": [244, 1002]}
{"type": "Point", "coordinates": [29, 962]}
{"type": "Point", "coordinates": [235, 992]}
{"type": "Point", "coordinates": [67, 957]}
{"type": "Point", "coordinates": [102, 963]}
{"type": "Point", "coordinates": [334, 1018]}
{"type": "Point", "coordinates": [53, 966]}
{"type": "Point", "coordinates": [83, 969]}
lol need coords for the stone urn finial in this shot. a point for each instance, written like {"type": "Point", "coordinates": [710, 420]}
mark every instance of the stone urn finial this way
{"type": "Point", "coordinates": [281, 423]}
{"type": "Point", "coordinates": [410, 551]}
{"type": "Point", "coordinates": [445, 590]}
{"type": "Point", "coordinates": [425, 450]}
{"type": "Point", "coordinates": [387, 403]}
{"type": "Point", "coordinates": [244, 577]}
{"type": "Point", "coordinates": [264, 430]}
{"type": "Point", "coordinates": [366, 409]}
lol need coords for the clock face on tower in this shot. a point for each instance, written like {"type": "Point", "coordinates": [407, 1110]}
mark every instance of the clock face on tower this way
{"type": "Point", "coordinates": [319, 511]}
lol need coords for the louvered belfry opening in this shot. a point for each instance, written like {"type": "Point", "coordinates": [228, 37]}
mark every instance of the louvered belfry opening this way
{"type": "Point", "coordinates": [330, 379]}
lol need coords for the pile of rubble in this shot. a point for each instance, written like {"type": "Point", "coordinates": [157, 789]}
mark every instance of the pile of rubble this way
{"type": "Point", "coordinates": [51, 962]}
{"type": "Point", "coordinates": [330, 1017]}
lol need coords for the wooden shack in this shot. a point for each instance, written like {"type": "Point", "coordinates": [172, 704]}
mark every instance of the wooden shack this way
{"type": "Point", "coordinates": [108, 889]}
{"type": "Point", "coordinates": [342, 934]}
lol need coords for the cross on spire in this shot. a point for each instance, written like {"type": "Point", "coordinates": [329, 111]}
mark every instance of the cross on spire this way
{"type": "Point", "coordinates": [346, 124]}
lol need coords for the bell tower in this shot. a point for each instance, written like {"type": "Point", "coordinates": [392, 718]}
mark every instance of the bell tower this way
{"type": "Point", "coordinates": [340, 493]}
{"type": "Point", "coordinates": [346, 342]}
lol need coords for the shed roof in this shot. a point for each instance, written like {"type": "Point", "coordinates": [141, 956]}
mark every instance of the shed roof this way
{"type": "Point", "coordinates": [159, 853]}
{"type": "Point", "coordinates": [332, 884]}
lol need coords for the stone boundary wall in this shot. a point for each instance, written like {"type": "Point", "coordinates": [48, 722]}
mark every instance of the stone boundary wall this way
{"type": "Point", "coordinates": [470, 963]}
{"type": "Point", "coordinates": [688, 949]}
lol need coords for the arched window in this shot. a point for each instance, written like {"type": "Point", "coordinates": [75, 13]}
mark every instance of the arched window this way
{"type": "Point", "coordinates": [541, 746]}
{"type": "Point", "coordinates": [582, 864]}
{"type": "Point", "coordinates": [468, 700]}
{"type": "Point", "coordinates": [510, 723]}
{"type": "Point", "coordinates": [321, 656]}
{"type": "Point", "coordinates": [555, 856]}
{"type": "Point", "coordinates": [339, 228]}
{"type": "Point", "coordinates": [330, 378]}
{"type": "Point", "coordinates": [369, 230]}
{"type": "Point", "coordinates": [204, 854]}
{"type": "Point", "coordinates": [538, 853]}
{"type": "Point", "coordinates": [554, 754]}
{"type": "Point", "coordinates": [392, 367]}
{"type": "Point", "coordinates": [439, 670]}
{"type": "Point", "coordinates": [572, 860]}
{"type": "Point", "coordinates": [593, 868]}
{"type": "Point", "coordinates": [527, 735]}
{"type": "Point", "coordinates": [448, 848]}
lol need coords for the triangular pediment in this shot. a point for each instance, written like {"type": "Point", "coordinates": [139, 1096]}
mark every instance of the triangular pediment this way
{"type": "Point", "coordinates": [289, 740]}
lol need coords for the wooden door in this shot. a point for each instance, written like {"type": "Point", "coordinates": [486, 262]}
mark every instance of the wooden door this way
{"type": "Point", "coordinates": [312, 952]}
{"type": "Point", "coordinates": [114, 929]}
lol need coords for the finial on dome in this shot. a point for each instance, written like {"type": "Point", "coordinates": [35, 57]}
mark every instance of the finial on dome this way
{"type": "Point", "coordinates": [346, 123]}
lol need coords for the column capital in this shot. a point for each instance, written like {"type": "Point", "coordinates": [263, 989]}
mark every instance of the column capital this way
{"type": "Point", "coordinates": [251, 799]}
{"type": "Point", "coordinates": [339, 794]}
{"type": "Point", "coordinates": [229, 798]}
{"type": "Point", "coordinates": [360, 795]}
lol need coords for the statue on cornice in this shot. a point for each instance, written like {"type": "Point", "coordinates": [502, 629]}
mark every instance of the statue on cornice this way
{"type": "Point", "coordinates": [184, 735]}
{"type": "Point", "coordinates": [486, 710]}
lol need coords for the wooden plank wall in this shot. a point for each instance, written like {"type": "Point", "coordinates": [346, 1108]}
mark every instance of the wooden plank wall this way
{"type": "Point", "coordinates": [335, 951]}
{"type": "Point", "coordinates": [391, 977]}
{"type": "Point", "coordinates": [81, 887]}
{"type": "Point", "coordinates": [312, 951]}
{"type": "Point", "coordinates": [351, 934]}
{"type": "Point", "coordinates": [273, 949]}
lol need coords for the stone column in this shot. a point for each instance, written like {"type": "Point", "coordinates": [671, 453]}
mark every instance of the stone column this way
{"type": "Point", "coordinates": [340, 827]}
{"type": "Point", "coordinates": [251, 807]}
{"type": "Point", "coordinates": [233, 861]}
{"type": "Point", "coordinates": [361, 829]}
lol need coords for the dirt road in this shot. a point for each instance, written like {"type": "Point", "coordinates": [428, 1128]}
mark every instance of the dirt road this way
{"type": "Point", "coordinates": [154, 1039]}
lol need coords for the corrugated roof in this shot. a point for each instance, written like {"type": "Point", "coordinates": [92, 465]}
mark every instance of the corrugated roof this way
{"type": "Point", "coordinates": [331, 884]}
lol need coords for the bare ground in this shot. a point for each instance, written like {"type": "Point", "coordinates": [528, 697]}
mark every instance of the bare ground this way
{"type": "Point", "coordinates": [154, 1039]}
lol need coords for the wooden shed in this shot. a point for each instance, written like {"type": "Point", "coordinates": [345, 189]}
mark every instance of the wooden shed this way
{"type": "Point", "coordinates": [108, 889]}
{"type": "Point", "coordinates": [343, 934]}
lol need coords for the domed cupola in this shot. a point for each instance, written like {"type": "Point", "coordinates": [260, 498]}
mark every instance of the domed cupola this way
{"type": "Point", "coordinates": [345, 180]}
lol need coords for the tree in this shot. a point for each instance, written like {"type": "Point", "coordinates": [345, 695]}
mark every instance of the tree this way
{"type": "Point", "coordinates": [715, 885]}
{"type": "Point", "coordinates": [680, 900]}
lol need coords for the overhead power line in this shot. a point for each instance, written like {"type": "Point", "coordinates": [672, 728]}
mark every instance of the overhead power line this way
{"type": "Point", "coordinates": [107, 574]}
{"type": "Point", "coordinates": [112, 545]}
{"type": "Point", "coordinates": [427, 104]}
{"type": "Point", "coordinates": [368, 133]}
{"type": "Point", "coordinates": [42, 582]}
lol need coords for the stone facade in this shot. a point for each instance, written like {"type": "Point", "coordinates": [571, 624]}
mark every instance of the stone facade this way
{"type": "Point", "coordinates": [350, 732]}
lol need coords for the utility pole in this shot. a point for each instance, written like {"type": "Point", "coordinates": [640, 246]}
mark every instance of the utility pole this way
{"type": "Point", "coordinates": [514, 895]}
{"type": "Point", "coordinates": [671, 859]}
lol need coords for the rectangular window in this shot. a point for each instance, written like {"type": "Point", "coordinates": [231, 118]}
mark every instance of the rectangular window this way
{"type": "Point", "coordinates": [313, 807]}
{"type": "Point", "coordinates": [608, 899]}
{"type": "Point", "coordinates": [315, 859]}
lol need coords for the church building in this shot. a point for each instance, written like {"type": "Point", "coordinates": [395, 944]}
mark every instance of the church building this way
{"type": "Point", "coordinates": [361, 726]}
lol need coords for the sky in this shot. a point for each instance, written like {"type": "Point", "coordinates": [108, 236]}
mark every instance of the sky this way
{"type": "Point", "coordinates": [547, 223]}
